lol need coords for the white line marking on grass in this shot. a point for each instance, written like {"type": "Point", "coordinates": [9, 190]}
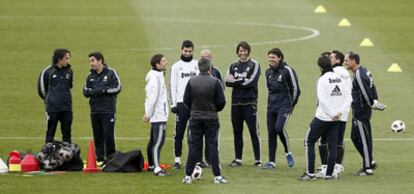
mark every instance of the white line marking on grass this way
{"type": "Point", "coordinates": [313, 32]}
{"type": "Point", "coordinates": [170, 139]}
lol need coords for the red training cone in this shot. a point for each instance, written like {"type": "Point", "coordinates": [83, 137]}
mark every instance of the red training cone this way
{"type": "Point", "coordinates": [29, 163]}
{"type": "Point", "coordinates": [91, 166]}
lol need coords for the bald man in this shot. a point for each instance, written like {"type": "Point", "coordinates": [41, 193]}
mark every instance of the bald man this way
{"type": "Point", "coordinates": [206, 54]}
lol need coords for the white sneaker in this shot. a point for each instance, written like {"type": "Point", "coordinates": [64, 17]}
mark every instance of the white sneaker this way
{"type": "Point", "coordinates": [338, 169]}
{"type": "Point", "coordinates": [321, 174]}
{"type": "Point", "coordinates": [220, 180]}
{"type": "Point", "coordinates": [187, 180]}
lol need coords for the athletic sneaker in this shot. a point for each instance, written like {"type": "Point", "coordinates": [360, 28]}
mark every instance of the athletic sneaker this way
{"type": "Point", "coordinates": [220, 180]}
{"type": "Point", "coordinates": [374, 165]}
{"type": "Point", "coordinates": [235, 163]}
{"type": "Point", "coordinates": [269, 165]}
{"type": "Point", "coordinates": [257, 163]}
{"type": "Point", "coordinates": [290, 160]}
{"type": "Point", "coordinates": [328, 178]}
{"type": "Point", "coordinates": [187, 180]}
{"type": "Point", "coordinates": [177, 165]}
{"type": "Point", "coordinates": [322, 172]}
{"type": "Point", "coordinates": [307, 177]}
{"type": "Point", "coordinates": [364, 172]}
{"type": "Point", "coordinates": [150, 169]}
{"type": "Point", "coordinates": [338, 169]}
{"type": "Point", "coordinates": [162, 172]}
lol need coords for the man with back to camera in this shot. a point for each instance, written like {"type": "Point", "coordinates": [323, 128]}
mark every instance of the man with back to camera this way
{"type": "Point", "coordinates": [156, 112]}
{"type": "Point", "coordinates": [364, 98]}
{"type": "Point", "coordinates": [181, 72]}
{"type": "Point", "coordinates": [204, 96]}
{"type": "Point", "coordinates": [242, 76]}
{"type": "Point", "coordinates": [102, 88]}
{"type": "Point", "coordinates": [284, 92]}
{"type": "Point", "coordinates": [337, 60]}
{"type": "Point", "coordinates": [333, 103]}
{"type": "Point", "coordinates": [54, 87]}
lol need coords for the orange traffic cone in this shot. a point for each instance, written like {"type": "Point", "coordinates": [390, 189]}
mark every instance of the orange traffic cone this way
{"type": "Point", "coordinates": [91, 166]}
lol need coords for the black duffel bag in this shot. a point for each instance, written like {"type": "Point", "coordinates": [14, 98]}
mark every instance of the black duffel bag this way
{"type": "Point", "coordinates": [132, 161]}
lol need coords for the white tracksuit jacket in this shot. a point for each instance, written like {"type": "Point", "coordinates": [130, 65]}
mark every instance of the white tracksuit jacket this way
{"type": "Point", "coordinates": [333, 97]}
{"type": "Point", "coordinates": [181, 72]}
{"type": "Point", "coordinates": [344, 74]}
{"type": "Point", "coordinates": [156, 104]}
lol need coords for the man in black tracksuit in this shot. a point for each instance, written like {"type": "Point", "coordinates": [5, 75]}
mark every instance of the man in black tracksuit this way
{"type": "Point", "coordinates": [204, 97]}
{"type": "Point", "coordinates": [364, 98]}
{"type": "Point", "coordinates": [283, 86]}
{"type": "Point", "coordinates": [102, 87]}
{"type": "Point", "coordinates": [54, 87]}
{"type": "Point", "coordinates": [243, 76]}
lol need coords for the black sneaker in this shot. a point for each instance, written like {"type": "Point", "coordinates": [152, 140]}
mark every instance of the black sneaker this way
{"type": "Point", "coordinates": [234, 163]}
{"type": "Point", "coordinates": [374, 165]}
{"type": "Point", "coordinates": [257, 163]}
{"type": "Point", "coordinates": [177, 166]}
{"type": "Point", "coordinates": [364, 172]}
{"type": "Point", "coordinates": [307, 177]}
{"type": "Point", "coordinates": [162, 173]}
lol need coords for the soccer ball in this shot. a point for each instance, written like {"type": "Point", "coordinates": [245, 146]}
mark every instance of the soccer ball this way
{"type": "Point", "coordinates": [197, 173]}
{"type": "Point", "coordinates": [65, 154]}
{"type": "Point", "coordinates": [398, 126]}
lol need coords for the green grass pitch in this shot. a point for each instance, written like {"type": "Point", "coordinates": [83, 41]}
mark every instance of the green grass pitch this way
{"type": "Point", "coordinates": [128, 32]}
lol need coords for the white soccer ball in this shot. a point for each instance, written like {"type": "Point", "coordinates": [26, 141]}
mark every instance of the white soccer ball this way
{"type": "Point", "coordinates": [398, 126]}
{"type": "Point", "coordinates": [197, 173]}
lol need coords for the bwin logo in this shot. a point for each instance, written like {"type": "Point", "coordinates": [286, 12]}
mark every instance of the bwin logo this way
{"type": "Point", "coordinates": [336, 80]}
{"type": "Point", "coordinates": [190, 74]}
{"type": "Point", "coordinates": [240, 75]}
{"type": "Point", "coordinates": [336, 91]}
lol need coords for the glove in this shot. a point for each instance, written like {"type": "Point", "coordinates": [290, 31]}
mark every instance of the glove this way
{"type": "Point", "coordinates": [99, 91]}
{"type": "Point", "coordinates": [378, 106]}
{"type": "Point", "coordinates": [174, 110]}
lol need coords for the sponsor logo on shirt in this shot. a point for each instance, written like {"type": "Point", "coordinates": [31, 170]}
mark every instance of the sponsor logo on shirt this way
{"type": "Point", "coordinates": [336, 91]}
{"type": "Point", "coordinates": [336, 80]}
{"type": "Point", "coordinates": [190, 74]}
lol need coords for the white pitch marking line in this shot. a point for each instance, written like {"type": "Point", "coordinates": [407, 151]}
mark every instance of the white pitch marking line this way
{"type": "Point", "coordinates": [170, 139]}
{"type": "Point", "coordinates": [314, 32]}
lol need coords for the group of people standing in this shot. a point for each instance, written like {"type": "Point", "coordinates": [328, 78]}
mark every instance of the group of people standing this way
{"type": "Point", "coordinates": [197, 95]}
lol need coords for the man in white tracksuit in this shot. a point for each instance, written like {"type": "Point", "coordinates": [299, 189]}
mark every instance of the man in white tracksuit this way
{"type": "Point", "coordinates": [181, 72]}
{"type": "Point", "coordinates": [156, 112]}
{"type": "Point", "coordinates": [333, 107]}
{"type": "Point", "coordinates": [337, 60]}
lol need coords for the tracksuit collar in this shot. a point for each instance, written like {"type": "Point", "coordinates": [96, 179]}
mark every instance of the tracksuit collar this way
{"type": "Point", "coordinates": [186, 59]}
{"type": "Point", "coordinates": [337, 65]}
{"type": "Point", "coordinates": [105, 68]}
{"type": "Point", "coordinates": [279, 66]}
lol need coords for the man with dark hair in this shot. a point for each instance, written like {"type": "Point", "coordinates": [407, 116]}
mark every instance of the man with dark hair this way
{"type": "Point", "coordinates": [333, 102]}
{"type": "Point", "coordinates": [102, 88]}
{"type": "Point", "coordinates": [204, 96]}
{"type": "Point", "coordinates": [181, 72]}
{"type": "Point", "coordinates": [337, 59]}
{"type": "Point", "coordinates": [242, 76]}
{"type": "Point", "coordinates": [283, 87]}
{"type": "Point", "coordinates": [54, 87]}
{"type": "Point", "coordinates": [364, 98]}
{"type": "Point", "coordinates": [156, 112]}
